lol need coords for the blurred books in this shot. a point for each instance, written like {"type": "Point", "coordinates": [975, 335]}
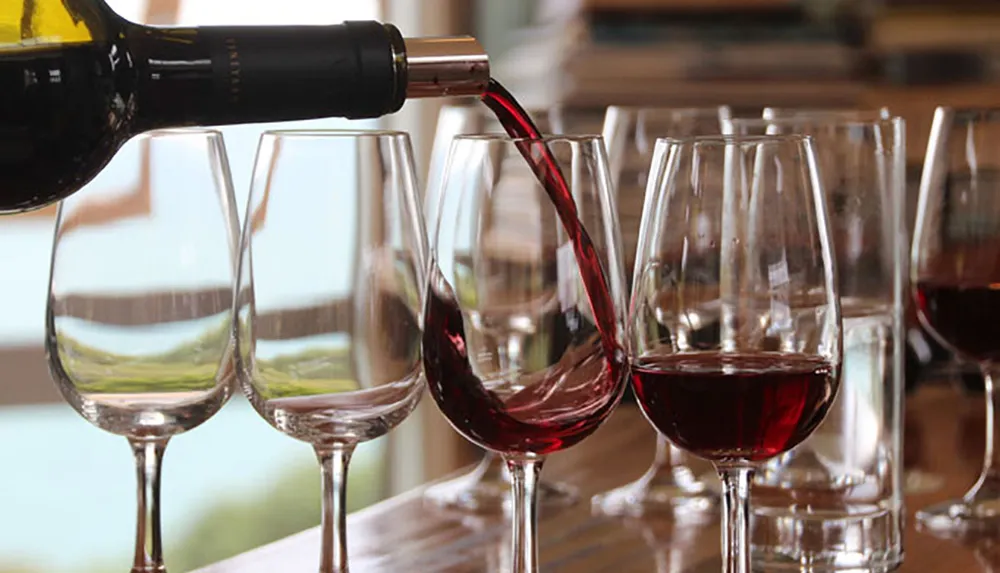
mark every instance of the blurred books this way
{"type": "Point", "coordinates": [908, 55]}
{"type": "Point", "coordinates": [592, 53]}
{"type": "Point", "coordinates": [948, 42]}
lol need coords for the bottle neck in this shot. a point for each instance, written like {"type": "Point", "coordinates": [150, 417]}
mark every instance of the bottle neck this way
{"type": "Point", "coordinates": [250, 74]}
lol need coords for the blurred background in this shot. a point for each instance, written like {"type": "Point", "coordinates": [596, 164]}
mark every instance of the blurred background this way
{"type": "Point", "coordinates": [235, 483]}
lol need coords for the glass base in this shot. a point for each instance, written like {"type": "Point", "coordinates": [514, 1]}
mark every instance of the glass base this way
{"type": "Point", "coordinates": [959, 518]}
{"type": "Point", "coordinates": [673, 492]}
{"type": "Point", "coordinates": [978, 512]}
{"type": "Point", "coordinates": [856, 539]}
{"type": "Point", "coordinates": [478, 493]}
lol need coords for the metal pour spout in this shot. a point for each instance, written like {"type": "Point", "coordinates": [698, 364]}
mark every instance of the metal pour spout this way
{"type": "Point", "coordinates": [446, 66]}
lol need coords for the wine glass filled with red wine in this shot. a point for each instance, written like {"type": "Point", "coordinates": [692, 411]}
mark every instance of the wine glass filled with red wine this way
{"type": "Point", "coordinates": [955, 276]}
{"type": "Point", "coordinates": [735, 231]}
{"type": "Point", "coordinates": [485, 489]}
{"type": "Point", "coordinates": [523, 342]}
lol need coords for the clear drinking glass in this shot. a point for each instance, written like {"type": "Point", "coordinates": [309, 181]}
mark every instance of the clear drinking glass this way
{"type": "Point", "coordinates": [954, 276]}
{"type": "Point", "coordinates": [672, 485]}
{"type": "Point", "coordinates": [329, 285]}
{"type": "Point", "coordinates": [836, 501]}
{"type": "Point", "coordinates": [139, 317]}
{"type": "Point", "coordinates": [523, 321]}
{"type": "Point", "coordinates": [734, 232]}
{"type": "Point", "coordinates": [486, 488]}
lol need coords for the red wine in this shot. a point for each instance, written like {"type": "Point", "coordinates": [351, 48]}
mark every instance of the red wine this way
{"type": "Point", "coordinates": [561, 407]}
{"type": "Point", "coordinates": [964, 316]}
{"type": "Point", "coordinates": [570, 400]}
{"type": "Point", "coordinates": [68, 103]}
{"type": "Point", "coordinates": [734, 407]}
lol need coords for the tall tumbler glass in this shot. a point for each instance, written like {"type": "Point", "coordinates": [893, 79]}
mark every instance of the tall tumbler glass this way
{"type": "Point", "coordinates": [835, 502]}
{"type": "Point", "coordinates": [673, 484]}
{"type": "Point", "coordinates": [486, 488]}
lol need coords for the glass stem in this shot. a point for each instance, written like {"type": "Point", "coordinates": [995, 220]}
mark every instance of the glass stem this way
{"type": "Point", "coordinates": [736, 519]}
{"type": "Point", "coordinates": [148, 541]}
{"type": "Point", "coordinates": [664, 454]}
{"type": "Point", "coordinates": [989, 480]}
{"type": "Point", "coordinates": [524, 475]}
{"type": "Point", "coordinates": [333, 463]}
{"type": "Point", "coordinates": [509, 361]}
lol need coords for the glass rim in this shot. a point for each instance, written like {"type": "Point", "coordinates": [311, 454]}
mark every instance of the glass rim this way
{"type": "Point", "coordinates": [726, 139]}
{"type": "Point", "coordinates": [321, 133]}
{"type": "Point", "coordinates": [881, 111]}
{"type": "Point", "coordinates": [545, 138]}
{"type": "Point", "coordinates": [691, 109]}
{"type": "Point", "coordinates": [820, 120]}
{"type": "Point", "coordinates": [174, 131]}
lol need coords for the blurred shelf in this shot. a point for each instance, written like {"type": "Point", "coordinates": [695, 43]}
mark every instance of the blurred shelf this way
{"type": "Point", "coordinates": [700, 5]}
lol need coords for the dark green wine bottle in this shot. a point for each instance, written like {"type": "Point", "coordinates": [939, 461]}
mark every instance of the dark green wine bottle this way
{"type": "Point", "coordinates": [77, 81]}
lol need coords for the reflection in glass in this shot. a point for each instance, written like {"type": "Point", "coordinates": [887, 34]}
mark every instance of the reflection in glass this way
{"type": "Point", "coordinates": [673, 542]}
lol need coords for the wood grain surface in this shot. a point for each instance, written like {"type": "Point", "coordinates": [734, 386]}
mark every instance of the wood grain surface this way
{"type": "Point", "coordinates": [945, 438]}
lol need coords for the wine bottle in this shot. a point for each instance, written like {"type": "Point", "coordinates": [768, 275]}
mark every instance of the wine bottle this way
{"type": "Point", "coordinates": [77, 81]}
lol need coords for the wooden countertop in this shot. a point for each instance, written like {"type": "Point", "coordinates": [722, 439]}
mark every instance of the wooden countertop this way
{"type": "Point", "coordinates": [944, 433]}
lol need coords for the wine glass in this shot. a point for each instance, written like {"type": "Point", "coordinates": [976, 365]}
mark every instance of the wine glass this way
{"type": "Point", "coordinates": [139, 316]}
{"type": "Point", "coordinates": [954, 273]}
{"type": "Point", "coordinates": [329, 289]}
{"type": "Point", "coordinates": [523, 321]}
{"type": "Point", "coordinates": [734, 231]}
{"type": "Point", "coordinates": [672, 484]}
{"type": "Point", "coordinates": [486, 488]}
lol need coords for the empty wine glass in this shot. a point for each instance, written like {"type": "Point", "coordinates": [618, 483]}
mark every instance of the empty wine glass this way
{"type": "Point", "coordinates": [523, 320]}
{"type": "Point", "coordinates": [486, 488]}
{"type": "Point", "coordinates": [954, 274]}
{"type": "Point", "coordinates": [672, 484]}
{"type": "Point", "coordinates": [140, 302]}
{"type": "Point", "coordinates": [734, 231]}
{"type": "Point", "coordinates": [329, 290]}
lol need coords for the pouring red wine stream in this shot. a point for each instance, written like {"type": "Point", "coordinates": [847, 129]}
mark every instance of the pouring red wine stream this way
{"type": "Point", "coordinates": [516, 121]}
{"type": "Point", "coordinates": [480, 413]}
